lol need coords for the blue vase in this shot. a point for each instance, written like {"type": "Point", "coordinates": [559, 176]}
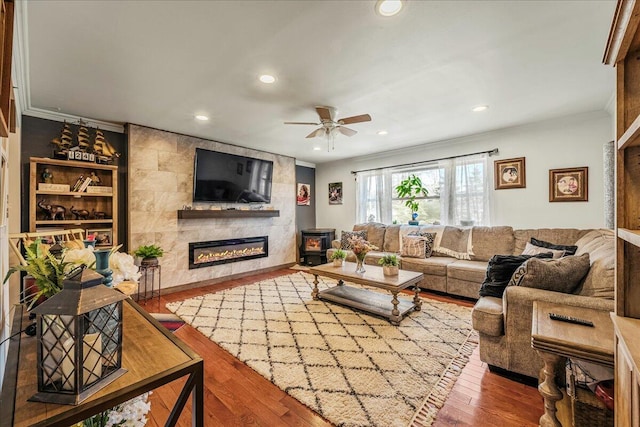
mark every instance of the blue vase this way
{"type": "Point", "coordinates": [414, 216]}
{"type": "Point", "coordinates": [102, 266]}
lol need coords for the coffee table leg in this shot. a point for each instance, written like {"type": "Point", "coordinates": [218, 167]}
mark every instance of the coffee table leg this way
{"type": "Point", "coordinates": [314, 293]}
{"type": "Point", "coordinates": [417, 302]}
{"type": "Point", "coordinates": [395, 313]}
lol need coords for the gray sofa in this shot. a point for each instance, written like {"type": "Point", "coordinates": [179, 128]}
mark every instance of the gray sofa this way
{"type": "Point", "coordinates": [503, 324]}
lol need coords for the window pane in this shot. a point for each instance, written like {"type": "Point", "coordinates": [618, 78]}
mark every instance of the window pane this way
{"type": "Point", "coordinates": [429, 207]}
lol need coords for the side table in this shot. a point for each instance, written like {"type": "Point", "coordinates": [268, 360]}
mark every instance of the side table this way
{"type": "Point", "coordinates": [147, 282]}
{"type": "Point", "coordinates": [555, 341]}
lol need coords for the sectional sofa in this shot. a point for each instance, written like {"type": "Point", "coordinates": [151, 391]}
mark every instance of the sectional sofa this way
{"type": "Point", "coordinates": [458, 266]}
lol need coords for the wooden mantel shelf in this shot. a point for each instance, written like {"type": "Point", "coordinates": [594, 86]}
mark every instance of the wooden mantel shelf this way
{"type": "Point", "coordinates": [226, 213]}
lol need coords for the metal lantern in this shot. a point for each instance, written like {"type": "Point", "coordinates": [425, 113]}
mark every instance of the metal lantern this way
{"type": "Point", "coordinates": [79, 333]}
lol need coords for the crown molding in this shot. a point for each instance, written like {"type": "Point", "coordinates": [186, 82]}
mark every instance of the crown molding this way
{"type": "Point", "coordinates": [20, 73]}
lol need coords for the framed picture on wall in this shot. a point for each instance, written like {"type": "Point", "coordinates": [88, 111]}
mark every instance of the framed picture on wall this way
{"type": "Point", "coordinates": [335, 193]}
{"type": "Point", "coordinates": [569, 185]}
{"type": "Point", "coordinates": [304, 195]}
{"type": "Point", "coordinates": [510, 173]}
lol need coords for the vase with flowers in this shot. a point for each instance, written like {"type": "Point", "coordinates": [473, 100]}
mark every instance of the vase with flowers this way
{"type": "Point", "coordinates": [360, 248]}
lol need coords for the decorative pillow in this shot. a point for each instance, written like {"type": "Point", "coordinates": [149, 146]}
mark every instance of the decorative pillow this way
{"type": "Point", "coordinates": [559, 275]}
{"type": "Point", "coordinates": [568, 249]}
{"type": "Point", "coordinates": [500, 270]}
{"type": "Point", "coordinates": [429, 239]}
{"type": "Point", "coordinates": [346, 235]}
{"type": "Point", "coordinates": [534, 250]}
{"type": "Point", "coordinates": [455, 242]}
{"type": "Point", "coordinates": [413, 247]}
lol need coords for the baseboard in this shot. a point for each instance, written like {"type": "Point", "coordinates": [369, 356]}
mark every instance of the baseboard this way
{"type": "Point", "coordinates": [208, 282]}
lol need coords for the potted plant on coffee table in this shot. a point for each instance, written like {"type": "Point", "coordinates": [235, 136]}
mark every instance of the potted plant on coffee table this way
{"type": "Point", "coordinates": [409, 189]}
{"type": "Point", "coordinates": [149, 254]}
{"type": "Point", "coordinates": [338, 257]}
{"type": "Point", "coordinates": [389, 263]}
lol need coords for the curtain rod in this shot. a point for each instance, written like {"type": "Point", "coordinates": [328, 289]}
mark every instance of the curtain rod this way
{"type": "Point", "coordinates": [489, 152]}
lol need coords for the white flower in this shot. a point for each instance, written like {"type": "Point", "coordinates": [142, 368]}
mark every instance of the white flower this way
{"type": "Point", "coordinates": [123, 267]}
{"type": "Point", "coordinates": [130, 413]}
{"type": "Point", "coordinates": [79, 256]}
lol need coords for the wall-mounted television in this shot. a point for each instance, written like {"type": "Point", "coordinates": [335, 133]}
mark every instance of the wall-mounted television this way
{"type": "Point", "coordinates": [223, 177]}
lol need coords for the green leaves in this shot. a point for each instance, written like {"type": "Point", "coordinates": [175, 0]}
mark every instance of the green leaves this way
{"type": "Point", "coordinates": [411, 188]}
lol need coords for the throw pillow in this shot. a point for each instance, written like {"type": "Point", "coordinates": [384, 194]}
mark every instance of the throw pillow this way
{"type": "Point", "coordinates": [455, 242]}
{"type": "Point", "coordinates": [345, 245]}
{"type": "Point", "coordinates": [500, 270]}
{"type": "Point", "coordinates": [429, 239]}
{"type": "Point", "coordinates": [559, 275]}
{"type": "Point", "coordinates": [413, 246]}
{"type": "Point", "coordinates": [568, 249]}
{"type": "Point", "coordinates": [533, 250]}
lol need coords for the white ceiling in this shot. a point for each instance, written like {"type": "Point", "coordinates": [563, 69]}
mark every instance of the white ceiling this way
{"type": "Point", "coordinates": [158, 63]}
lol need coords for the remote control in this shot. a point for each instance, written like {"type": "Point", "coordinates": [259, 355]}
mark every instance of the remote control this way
{"type": "Point", "coordinates": [569, 319]}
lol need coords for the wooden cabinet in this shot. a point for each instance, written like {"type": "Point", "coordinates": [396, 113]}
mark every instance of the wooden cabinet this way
{"type": "Point", "coordinates": [623, 52]}
{"type": "Point", "coordinates": [95, 209]}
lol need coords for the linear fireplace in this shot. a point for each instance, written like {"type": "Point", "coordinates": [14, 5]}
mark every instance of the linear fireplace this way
{"type": "Point", "coordinates": [206, 254]}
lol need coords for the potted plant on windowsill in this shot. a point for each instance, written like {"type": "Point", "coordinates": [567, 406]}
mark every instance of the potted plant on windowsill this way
{"type": "Point", "coordinates": [409, 189]}
{"type": "Point", "coordinates": [389, 263]}
{"type": "Point", "coordinates": [149, 254]}
{"type": "Point", "coordinates": [338, 257]}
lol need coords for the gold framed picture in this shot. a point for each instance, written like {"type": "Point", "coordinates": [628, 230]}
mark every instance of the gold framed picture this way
{"type": "Point", "coordinates": [510, 173]}
{"type": "Point", "coordinates": [569, 185]}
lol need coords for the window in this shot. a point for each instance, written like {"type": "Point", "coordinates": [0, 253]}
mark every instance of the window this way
{"type": "Point", "coordinates": [458, 193]}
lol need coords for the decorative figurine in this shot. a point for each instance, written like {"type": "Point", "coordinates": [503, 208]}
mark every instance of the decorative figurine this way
{"type": "Point", "coordinates": [95, 179]}
{"type": "Point", "coordinates": [98, 215]}
{"type": "Point", "coordinates": [80, 214]}
{"type": "Point", "coordinates": [47, 176]}
{"type": "Point", "coordinates": [52, 211]}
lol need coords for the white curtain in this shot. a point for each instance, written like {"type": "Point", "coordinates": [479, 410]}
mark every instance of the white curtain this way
{"type": "Point", "coordinates": [464, 197]}
{"type": "Point", "coordinates": [374, 192]}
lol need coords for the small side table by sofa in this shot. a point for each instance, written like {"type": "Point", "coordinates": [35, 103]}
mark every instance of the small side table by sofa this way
{"type": "Point", "coordinates": [150, 277]}
{"type": "Point", "coordinates": [555, 341]}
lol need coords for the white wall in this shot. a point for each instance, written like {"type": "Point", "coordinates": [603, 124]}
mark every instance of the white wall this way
{"type": "Point", "coordinates": [573, 141]}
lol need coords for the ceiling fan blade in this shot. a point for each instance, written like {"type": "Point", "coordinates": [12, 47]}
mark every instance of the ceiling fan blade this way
{"type": "Point", "coordinates": [301, 123]}
{"type": "Point", "coordinates": [355, 119]}
{"type": "Point", "coordinates": [317, 132]}
{"type": "Point", "coordinates": [346, 131]}
{"type": "Point", "coordinates": [324, 113]}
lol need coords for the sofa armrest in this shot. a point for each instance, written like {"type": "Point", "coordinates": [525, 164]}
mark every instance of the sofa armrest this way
{"type": "Point", "coordinates": [520, 295]}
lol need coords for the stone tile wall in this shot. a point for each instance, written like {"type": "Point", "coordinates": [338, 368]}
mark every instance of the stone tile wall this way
{"type": "Point", "coordinates": [161, 183]}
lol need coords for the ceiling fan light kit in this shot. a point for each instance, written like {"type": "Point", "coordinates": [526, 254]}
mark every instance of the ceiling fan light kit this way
{"type": "Point", "coordinates": [330, 126]}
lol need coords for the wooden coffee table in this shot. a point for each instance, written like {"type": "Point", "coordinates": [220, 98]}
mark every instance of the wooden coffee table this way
{"type": "Point", "coordinates": [362, 299]}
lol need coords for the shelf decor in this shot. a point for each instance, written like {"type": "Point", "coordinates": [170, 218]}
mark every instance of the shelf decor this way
{"type": "Point", "coordinates": [79, 339]}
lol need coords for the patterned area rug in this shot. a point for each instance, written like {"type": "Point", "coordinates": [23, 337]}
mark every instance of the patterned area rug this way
{"type": "Point", "coordinates": [352, 368]}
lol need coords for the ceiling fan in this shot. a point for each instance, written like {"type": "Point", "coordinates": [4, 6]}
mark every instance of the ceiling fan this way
{"type": "Point", "coordinates": [329, 125]}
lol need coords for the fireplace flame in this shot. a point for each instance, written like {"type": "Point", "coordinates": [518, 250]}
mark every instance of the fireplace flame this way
{"type": "Point", "coordinates": [213, 255]}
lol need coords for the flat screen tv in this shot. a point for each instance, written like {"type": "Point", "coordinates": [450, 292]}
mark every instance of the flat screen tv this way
{"type": "Point", "coordinates": [223, 177]}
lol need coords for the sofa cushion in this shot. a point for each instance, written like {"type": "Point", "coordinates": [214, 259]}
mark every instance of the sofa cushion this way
{"type": "Point", "coordinates": [487, 316]}
{"type": "Point", "coordinates": [436, 266]}
{"type": "Point", "coordinates": [413, 247]}
{"type": "Point", "coordinates": [559, 275]}
{"type": "Point", "coordinates": [346, 235]}
{"type": "Point", "coordinates": [600, 280]}
{"type": "Point", "coordinates": [429, 241]}
{"type": "Point", "coordinates": [500, 270]}
{"type": "Point", "coordinates": [531, 249]}
{"type": "Point", "coordinates": [455, 242]}
{"type": "Point", "coordinates": [568, 249]}
{"type": "Point", "coordinates": [471, 271]}
{"type": "Point", "coordinates": [392, 238]}
{"type": "Point", "coordinates": [489, 241]}
{"type": "Point", "coordinates": [375, 232]}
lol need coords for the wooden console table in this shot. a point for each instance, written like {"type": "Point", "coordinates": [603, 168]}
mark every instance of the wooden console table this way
{"type": "Point", "coordinates": [555, 341]}
{"type": "Point", "coordinates": [151, 355]}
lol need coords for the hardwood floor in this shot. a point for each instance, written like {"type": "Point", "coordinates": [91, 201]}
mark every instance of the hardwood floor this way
{"type": "Point", "coordinates": [235, 395]}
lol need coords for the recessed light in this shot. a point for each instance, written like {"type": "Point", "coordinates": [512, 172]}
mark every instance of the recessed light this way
{"type": "Point", "coordinates": [382, 132]}
{"type": "Point", "coordinates": [316, 148]}
{"type": "Point", "coordinates": [267, 78]}
{"type": "Point", "coordinates": [202, 117]}
{"type": "Point", "coordinates": [388, 7]}
{"type": "Point", "coordinates": [479, 108]}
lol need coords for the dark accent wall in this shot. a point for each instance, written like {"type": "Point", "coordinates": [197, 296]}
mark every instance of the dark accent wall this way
{"type": "Point", "coordinates": [305, 215]}
{"type": "Point", "coordinates": [36, 142]}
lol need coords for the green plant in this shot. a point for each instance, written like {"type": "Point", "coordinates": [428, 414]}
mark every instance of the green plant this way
{"type": "Point", "coordinates": [389, 260]}
{"type": "Point", "coordinates": [409, 189]}
{"type": "Point", "coordinates": [338, 254]}
{"type": "Point", "coordinates": [149, 251]}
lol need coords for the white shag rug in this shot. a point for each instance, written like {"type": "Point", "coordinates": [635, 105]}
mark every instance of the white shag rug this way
{"type": "Point", "coordinates": [352, 368]}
